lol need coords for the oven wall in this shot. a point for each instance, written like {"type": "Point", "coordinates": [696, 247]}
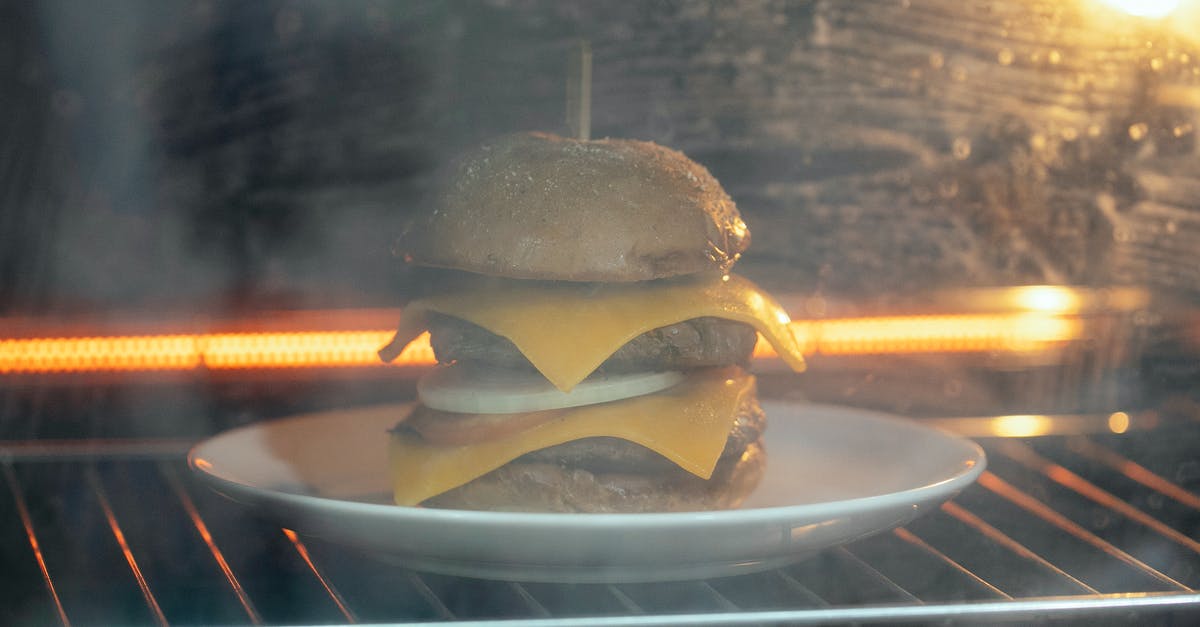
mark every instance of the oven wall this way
{"type": "Point", "coordinates": [213, 155]}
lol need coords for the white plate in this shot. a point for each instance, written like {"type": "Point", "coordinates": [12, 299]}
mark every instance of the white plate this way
{"type": "Point", "coordinates": [834, 474]}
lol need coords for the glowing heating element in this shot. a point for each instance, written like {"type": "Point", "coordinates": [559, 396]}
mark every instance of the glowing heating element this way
{"type": "Point", "coordinates": [219, 351]}
{"type": "Point", "coordinates": [1022, 332]}
{"type": "Point", "coordinates": [1145, 8]}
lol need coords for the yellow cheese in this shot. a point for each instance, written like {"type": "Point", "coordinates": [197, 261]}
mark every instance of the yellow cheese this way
{"type": "Point", "coordinates": [567, 330]}
{"type": "Point", "coordinates": [688, 424]}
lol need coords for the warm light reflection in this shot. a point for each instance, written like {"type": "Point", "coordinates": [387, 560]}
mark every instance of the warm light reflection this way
{"type": "Point", "coordinates": [1144, 8]}
{"type": "Point", "coordinates": [929, 334]}
{"type": "Point", "coordinates": [970, 519]}
{"type": "Point", "coordinates": [1021, 426]}
{"type": "Point", "coordinates": [1029, 458]}
{"type": "Point", "coordinates": [23, 513]}
{"type": "Point", "coordinates": [1021, 332]}
{"type": "Point", "coordinates": [206, 535]}
{"type": "Point", "coordinates": [1133, 470]}
{"type": "Point", "coordinates": [1031, 504]}
{"type": "Point", "coordinates": [114, 525]}
{"type": "Point", "coordinates": [1053, 424]}
{"type": "Point", "coordinates": [302, 551]}
{"type": "Point", "coordinates": [1118, 422]}
{"type": "Point", "coordinates": [1046, 298]}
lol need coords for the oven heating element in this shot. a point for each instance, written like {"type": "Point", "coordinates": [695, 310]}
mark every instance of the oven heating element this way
{"type": "Point", "coordinates": [1021, 332]}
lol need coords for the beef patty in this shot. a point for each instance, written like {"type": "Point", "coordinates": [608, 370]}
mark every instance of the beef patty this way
{"type": "Point", "coordinates": [544, 487]}
{"type": "Point", "coordinates": [697, 343]}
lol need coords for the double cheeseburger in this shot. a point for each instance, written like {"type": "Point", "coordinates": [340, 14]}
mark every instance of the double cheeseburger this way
{"type": "Point", "coordinates": [589, 334]}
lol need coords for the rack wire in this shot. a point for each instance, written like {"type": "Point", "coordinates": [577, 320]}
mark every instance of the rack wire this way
{"type": "Point", "coordinates": [1058, 527]}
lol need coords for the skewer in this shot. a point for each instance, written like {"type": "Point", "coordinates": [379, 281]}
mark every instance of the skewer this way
{"type": "Point", "coordinates": [579, 91]}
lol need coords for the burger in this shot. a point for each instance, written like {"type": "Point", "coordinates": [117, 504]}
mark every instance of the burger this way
{"type": "Point", "coordinates": [591, 339]}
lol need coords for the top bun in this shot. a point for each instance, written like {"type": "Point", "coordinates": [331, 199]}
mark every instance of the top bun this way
{"type": "Point", "coordinates": [539, 206]}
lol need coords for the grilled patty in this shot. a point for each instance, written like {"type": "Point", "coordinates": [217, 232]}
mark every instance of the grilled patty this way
{"type": "Point", "coordinates": [546, 487]}
{"type": "Point", "coordinates": [697, 343]}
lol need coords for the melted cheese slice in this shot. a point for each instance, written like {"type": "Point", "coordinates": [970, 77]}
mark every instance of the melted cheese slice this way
{"type": "Point", "coordinates": [567, 330]}
{"type": "Point", "coordinates": [688, 424]}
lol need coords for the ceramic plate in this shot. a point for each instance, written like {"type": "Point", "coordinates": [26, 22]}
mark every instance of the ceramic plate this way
{"type": "Point", "coordinates": [833, 475]}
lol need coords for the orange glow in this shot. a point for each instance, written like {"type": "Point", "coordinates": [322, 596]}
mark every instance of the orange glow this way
{"type": "Point", "coordinates": [913, 539]}
{"type": "Point", "coordinates": [1145, 8]}
{"type": "Point", "coordinates": [1021, 332]}
{"type": "Point", "coordinates": [223, 351]}
{"type": "Point", "coordinates": [302, 551]}
{"type": "Point", "coordinates": [27, 521]}
{"type": "Point", "coordinates": [1118, 422]}
{"type": "Point", "coordinates": [1064, 477]}
{"type": "Point", "coordinates": [194, 514]}
{"type": "Point", "coordinates": [1133, 470]}
{"type": "Point", "coordinates": [929, 334]}
{"type": "Point", "coordinates": [1030, 504]}
{"type": "Point", "coordinates": [999, 537]}
{"type": "Point", "coordinates": [1021, 426]}
{"type": "Point", "coordinates": [1048, 298]}
{"type": "Point", "coordinates": [119, 535]}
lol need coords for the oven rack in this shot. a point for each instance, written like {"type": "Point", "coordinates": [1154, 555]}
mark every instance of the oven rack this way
{"type": "Point", "coordinates": [1098, 526]}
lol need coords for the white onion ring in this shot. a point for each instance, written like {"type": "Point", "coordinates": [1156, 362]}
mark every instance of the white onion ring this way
{"type": "Point", "coordinates": [477, 390]}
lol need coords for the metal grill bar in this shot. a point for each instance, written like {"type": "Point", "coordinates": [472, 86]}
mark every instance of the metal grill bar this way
{"type": "Point", "coordinates": [1001, 487]}
{"type": "Point", "coordinates": [93, 480]}
{"type": "Point", "coordinates": [193, 514]}
{"type": "Point", "coordinates": [427, 593]}
{"type": "Point", "coordinates": [325, 583]}
{"type": "Point", "coordinates": [878, 576]}
{"type": "Point", "coordinates": [890, 614]}
{"type": "Point", "coordinates": [629, 604]}
{"type": "Point", "coordinates": [14, 486]}
{"type": "Point", "coordinates": [1059, 474]}
{"type": "Point", "coordinates": [722, 601]}
{"type": "Point", "coordinates": [884, 565]}
{"type": "Point", "coordinates": [915, 540]}
{"type": "Point", "coordinates": [802, 590]}
{"type": "Point", "coordinates": [1131, 469]}
{"type": "Point", "coordinates": [665, 597]}
{"type": "Point", "coordinates": [533, 604]}
{"type": "Point", "coordinates": [999, 537]}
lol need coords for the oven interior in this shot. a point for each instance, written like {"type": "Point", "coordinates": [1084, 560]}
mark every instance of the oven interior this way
{"type": "Point", "coordinates": [985, 214]}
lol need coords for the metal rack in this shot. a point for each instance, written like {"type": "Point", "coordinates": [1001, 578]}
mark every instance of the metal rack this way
{"type": "Point", "coordinates": [1058, 527]}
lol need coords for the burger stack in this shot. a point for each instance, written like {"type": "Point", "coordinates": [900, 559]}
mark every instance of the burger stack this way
{"type": "Point", "coordinates": [590, 335]}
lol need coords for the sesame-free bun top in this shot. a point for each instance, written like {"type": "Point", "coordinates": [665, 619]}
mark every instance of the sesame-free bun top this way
{"type": "Point", "coordinates": [539, 206]}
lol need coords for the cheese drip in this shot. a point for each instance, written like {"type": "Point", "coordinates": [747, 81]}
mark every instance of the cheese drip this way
{"type": "Point", "coordinates": [687, 424]}
{"type": "Point", "coordinates": [566, 330]}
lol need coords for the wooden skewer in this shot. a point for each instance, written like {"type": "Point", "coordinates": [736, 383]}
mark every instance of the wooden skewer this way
{"type": "Point", "coordinates": [579, 91]}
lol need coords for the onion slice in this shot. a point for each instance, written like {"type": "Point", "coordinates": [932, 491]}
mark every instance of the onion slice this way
{"type": "Point", "coordinates": [477, 390]}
